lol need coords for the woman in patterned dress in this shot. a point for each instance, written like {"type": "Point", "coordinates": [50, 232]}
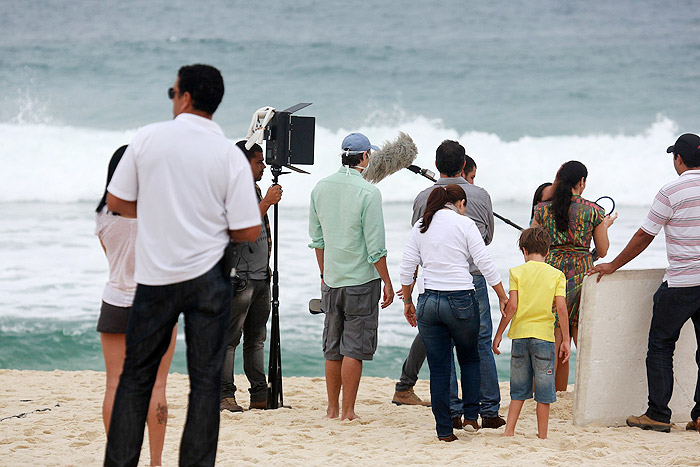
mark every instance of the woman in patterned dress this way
{"type": "Point", "coordinates": [572, 222]}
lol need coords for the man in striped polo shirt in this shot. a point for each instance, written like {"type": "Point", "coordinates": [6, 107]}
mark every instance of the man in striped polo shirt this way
{"type": "Point", "coordinates": [676, 208]}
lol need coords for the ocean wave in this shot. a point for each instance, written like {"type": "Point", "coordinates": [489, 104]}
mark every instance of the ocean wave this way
{"type": "Point", "coordinates": [51, 163]}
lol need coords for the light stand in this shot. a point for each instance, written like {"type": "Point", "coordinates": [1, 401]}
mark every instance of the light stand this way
{"type": "Point", "coordinates": [275, 398]}
{"type": "Point", "coordinates": [288, 140]}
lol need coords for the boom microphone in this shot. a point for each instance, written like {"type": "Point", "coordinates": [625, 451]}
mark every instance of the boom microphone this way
{"type": "Point", "coordinates": [392, 157]}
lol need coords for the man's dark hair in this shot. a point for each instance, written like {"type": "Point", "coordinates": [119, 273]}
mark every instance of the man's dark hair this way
{"type": "Point", "coordinates": [205, 85]}
{"type": "Point", "coordinates": [249, 153]}
{"type": "Point", "coordinates": [351, 159]}
{"type": "Point", "coordinates": [535, 240]}
{"type": "Point", "coordinates": [470, 164]}
{"type": "Point", "coordinates": [692, 161]}
{"type": "Point", "coordinates": [450, 157]}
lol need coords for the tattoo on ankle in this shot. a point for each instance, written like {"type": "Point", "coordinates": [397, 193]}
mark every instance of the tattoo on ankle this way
{"type": "Point", "coordinates": [162, 414]}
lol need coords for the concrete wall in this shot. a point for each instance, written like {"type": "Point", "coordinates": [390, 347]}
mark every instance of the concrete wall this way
{"type": "Point", "coordinates": [611, 381]}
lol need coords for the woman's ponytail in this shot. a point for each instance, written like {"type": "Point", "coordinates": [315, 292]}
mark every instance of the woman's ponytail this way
{"type": "Point", "coordinates": [569, 174]}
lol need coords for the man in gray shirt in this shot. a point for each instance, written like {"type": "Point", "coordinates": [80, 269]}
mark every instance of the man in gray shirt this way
{"type": "Point", "coordinates": [250, 308]}
{"type": "Point", "coordinates": [454, 165]}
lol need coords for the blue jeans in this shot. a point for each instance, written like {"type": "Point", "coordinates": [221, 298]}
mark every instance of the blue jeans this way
{"type": "Point", "coordinates": [205, 302]}
{"type": "Point", "coordinates": [489, 391]}
{"type": "Point", "coordinates": [673, 306]}
{"type": "Point", "coordinates": [532, 360]}
{"type": "Point", "coordinates": [443, 318]}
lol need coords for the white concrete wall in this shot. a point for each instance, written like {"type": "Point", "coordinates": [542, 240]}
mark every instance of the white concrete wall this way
{"type": "Point", "coordinates": [611, 381]}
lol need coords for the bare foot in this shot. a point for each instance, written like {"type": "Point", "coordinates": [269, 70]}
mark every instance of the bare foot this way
{"type": "Point", "coordinates": [350, 416]}
{"type": "Point", "coordinates": [505, 433]}
{"type": "Point", "coordinates": [541, 437]}
{"type": "Point", "coordinates": [332, 412]}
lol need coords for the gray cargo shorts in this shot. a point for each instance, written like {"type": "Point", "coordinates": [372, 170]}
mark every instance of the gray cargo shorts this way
{"type": "Point", "coordinates": [352, 317]}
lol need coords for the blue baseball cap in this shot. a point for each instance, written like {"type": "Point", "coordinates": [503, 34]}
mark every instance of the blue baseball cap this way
{"type": "Point", "coordinates": [357, 142]}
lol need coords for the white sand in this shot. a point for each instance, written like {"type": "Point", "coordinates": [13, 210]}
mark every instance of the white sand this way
{"type": "Point", "coordinates": [71, 432]}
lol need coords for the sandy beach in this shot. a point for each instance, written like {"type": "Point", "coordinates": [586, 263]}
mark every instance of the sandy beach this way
{"type": "Point", "coordinates": [63, 426]}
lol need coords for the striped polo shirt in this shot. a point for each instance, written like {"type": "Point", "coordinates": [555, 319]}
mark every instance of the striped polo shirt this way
{"type": "Point", "coordinates": [676, 208]}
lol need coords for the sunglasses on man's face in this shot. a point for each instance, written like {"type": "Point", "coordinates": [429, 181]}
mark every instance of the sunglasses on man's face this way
{"type": "Point", "coordinates": [171, 93]}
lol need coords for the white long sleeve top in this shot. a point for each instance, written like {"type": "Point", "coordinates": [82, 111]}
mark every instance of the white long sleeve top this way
{"type": "Point", "coordinates": [444, 252]}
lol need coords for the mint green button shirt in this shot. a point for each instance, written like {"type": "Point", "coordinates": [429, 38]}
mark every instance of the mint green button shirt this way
{"type": "Point", "coordinates": [346, 221]}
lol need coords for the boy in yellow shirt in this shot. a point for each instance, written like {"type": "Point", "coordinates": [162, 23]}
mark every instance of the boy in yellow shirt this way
{"type": "Point", "coordinates": [534, 287]}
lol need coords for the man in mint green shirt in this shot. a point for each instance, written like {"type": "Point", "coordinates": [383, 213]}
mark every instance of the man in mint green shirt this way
{"type": "Point", "coordinates": [347, 232]}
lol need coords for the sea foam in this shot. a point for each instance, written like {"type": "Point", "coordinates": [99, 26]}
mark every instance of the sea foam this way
{"type": "Point", "coordinates": [42, 162]}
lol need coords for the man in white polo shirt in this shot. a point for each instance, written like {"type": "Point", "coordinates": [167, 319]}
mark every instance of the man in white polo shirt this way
{"type": "Point", "coordinates": [194, 191]}
{"type": "Point", "coordinates": [676, 208]}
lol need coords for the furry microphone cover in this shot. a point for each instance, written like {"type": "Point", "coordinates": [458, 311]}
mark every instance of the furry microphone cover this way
{"type": "Point", "coordinates": [392, 157]}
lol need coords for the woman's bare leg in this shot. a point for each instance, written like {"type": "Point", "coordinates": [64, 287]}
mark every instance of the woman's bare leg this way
{"type": "Point", "coordinates": [561, 370]}
{"type": "Point", "coordinates": [114, 351]}
{"type": "Point", "coordinates": [157, 419]}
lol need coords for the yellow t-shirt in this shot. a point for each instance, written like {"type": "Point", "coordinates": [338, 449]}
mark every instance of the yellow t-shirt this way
{"type": "Point", "coordinates": [537, 284]}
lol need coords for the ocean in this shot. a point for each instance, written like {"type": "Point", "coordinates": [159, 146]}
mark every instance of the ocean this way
{"type": "Point", "coordinates": [524, 86]}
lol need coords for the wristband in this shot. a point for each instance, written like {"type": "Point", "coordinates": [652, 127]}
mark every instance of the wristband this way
{"type": "Point", "coordinates": [407, 300]}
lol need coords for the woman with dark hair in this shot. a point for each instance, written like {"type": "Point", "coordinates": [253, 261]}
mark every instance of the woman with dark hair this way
{"type": "Point", "coordinates": [542, 193]}
{"type": "Point", "coordinates": [442, 242]}
{"type": "Point", "coordinates": [572, 222]}
{"type": "Point", "coordinates": [117, 236]}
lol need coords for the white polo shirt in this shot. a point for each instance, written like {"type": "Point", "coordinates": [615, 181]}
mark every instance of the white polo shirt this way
{"type": "Point", "coordinates": [192, 186]}
{"type": "Point", "coordinates": [676, 208]}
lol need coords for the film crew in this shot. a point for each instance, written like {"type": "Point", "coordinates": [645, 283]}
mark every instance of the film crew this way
{"type": "Point", "coordinates": [346, 226]}
{"type": "Point", "coordinates": [250, 308]}
{"type": "Point", "coordinates": [675, 208]}
{"type": "Point", "coordinates": [452, 161]}
{"type": "Point", "coordinates": [194, 191]}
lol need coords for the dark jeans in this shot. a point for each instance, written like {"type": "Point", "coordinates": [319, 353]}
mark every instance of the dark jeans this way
{"type": "Point", "coordinates": [490, 395]}
{"type": "Point", "coordinates": [205, 303]}
{"type": "Point", "coordinates": [673, 306]}
{"type": "Point", "coordinates": [443, 318]}
{"type": "Point", "coordinates": [250, 309]}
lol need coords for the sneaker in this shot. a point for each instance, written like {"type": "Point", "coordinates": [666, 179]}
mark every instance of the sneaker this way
{"type": "Point", "coordinates": [408, 397]}
{"type": "Point", "coordinates": [457, 422]}
{"type": "Point", "coordinates": [692, 425]}
{"type": "Point", "coordinates": [262, 405]}
{"type": "Point", "coordinates": [471, 425]}
{"type": "Point", "coordinates": [230, 404]}
{"type": "Point", "coordinates": [492, 422]}
{"type": "Point", "coordinates": [646, 423]}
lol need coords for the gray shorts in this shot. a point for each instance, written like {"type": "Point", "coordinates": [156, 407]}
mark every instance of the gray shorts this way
{"type": "Point", "coordinates": [352, 317]}
{"type": "Point", "coordinates": [113, 319]}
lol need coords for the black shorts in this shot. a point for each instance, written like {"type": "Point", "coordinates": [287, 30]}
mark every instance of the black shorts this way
{"type": "Point", "coordinates": [113, 319]}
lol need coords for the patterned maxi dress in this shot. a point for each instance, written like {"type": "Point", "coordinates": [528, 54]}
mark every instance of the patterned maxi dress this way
{"type": "Point", "coordinates": [570, 250]}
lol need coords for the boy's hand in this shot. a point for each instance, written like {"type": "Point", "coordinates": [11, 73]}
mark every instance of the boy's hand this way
{"type": "Point", "coordinates": [496, 342]}
{"type": "Point", "coordinates": [564, 352]}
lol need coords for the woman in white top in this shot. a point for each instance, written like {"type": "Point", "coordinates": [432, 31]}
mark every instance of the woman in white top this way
{"type": "Point", "coordinates": [117, 236]}
{"type": "Point", "coordinates": [443, 242]}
